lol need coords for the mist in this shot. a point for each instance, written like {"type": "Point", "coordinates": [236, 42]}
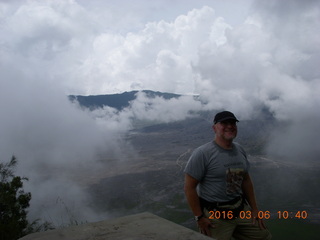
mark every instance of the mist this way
{"type": "Point", "coordinates": [56, 144]}
{"type": "Point", "coordinates": [266, 58]}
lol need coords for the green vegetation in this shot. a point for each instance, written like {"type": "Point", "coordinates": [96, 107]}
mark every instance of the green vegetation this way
{"type": "Point", "coordinates": [13, 203]}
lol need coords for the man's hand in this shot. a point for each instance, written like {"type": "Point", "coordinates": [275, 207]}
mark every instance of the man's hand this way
{"type": "Point", "coordinates": [255, 219]}
{"type": "Point", "coordinates": [204, 225]}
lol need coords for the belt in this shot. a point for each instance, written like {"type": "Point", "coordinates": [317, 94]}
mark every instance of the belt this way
{"type": "Point", "coordinates": [238, 203]}
{"type": "Point", "coordinates": [207, 204]}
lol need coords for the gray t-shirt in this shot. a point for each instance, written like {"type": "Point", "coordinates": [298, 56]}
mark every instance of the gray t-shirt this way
{"type": "Point", "coordinates": [219, 171]}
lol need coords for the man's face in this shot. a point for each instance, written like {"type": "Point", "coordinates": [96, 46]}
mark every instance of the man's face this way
{"type": "Point", "coordinates": [226, 130]}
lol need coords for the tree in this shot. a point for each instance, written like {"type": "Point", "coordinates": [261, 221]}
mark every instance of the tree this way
{"type": "Point", "coordinates": [13, 203]}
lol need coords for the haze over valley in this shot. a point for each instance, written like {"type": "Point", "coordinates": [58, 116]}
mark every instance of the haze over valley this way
{"type": "Point", "coordinates": [149, 176]}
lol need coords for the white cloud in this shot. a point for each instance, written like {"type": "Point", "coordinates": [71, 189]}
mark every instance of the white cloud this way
{"type": "Point", "coordinates": [63, 38]}
{"type": "Point", "coordinates": [159, 109]}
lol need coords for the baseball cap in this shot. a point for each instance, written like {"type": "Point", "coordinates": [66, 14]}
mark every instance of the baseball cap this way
{"type": "Point", "coordinates": [223, 116]}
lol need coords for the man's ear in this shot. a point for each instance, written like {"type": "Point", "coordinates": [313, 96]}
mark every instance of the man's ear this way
{"type": "Point", "coordinates": [214, 127]}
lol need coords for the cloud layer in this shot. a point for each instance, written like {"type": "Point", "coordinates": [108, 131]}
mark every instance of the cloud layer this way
{"type": "Point", "coordinates": [263, 60]}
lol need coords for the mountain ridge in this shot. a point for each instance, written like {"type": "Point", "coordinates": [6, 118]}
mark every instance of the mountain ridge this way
{"type": "Point", "coordinates": [253, 134]}
{"type": "Point", "coordinates": [117, 100]}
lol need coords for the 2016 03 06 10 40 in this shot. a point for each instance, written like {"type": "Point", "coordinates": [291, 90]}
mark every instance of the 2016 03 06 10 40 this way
{"type": "Point", "coordinates": [261, 214]}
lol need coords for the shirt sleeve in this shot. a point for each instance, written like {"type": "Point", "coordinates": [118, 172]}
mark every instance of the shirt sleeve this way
{"type": "Point", "coordinates": [196, 165]}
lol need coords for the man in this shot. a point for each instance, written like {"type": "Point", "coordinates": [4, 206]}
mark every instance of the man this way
{"type": "Point", "coordinates": [219, 189]}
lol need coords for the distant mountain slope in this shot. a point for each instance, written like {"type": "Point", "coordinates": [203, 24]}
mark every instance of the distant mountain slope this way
{"type": "Point", "coordinates": [253, 134]}
{"type": "Point", "coordinates": [118, 101]}
{"type": "Point", "coordinates": [149, 176]}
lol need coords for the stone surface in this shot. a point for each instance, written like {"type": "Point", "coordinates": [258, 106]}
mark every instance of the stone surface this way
{"type": "Point", "coordinates": [134, 227]}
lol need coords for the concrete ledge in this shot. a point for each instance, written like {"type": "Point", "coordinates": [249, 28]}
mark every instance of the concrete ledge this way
{"type": "Point", "coordinates": [134, 227]}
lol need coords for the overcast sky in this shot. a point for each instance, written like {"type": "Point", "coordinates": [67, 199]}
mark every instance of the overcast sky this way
{"type": "Point", "coordinates": [239, 55]}
{"type": "Point", "coordinates": [251, 51]}
{"type": "Point", "coordinates": [98, 47]}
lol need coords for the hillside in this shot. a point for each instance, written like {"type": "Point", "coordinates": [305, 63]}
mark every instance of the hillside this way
{"type": "Point", "coordinates": [151, 178]}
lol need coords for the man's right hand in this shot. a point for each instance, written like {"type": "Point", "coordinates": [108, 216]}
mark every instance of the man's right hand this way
{"type": "Point", "coordinates": [204, 225]}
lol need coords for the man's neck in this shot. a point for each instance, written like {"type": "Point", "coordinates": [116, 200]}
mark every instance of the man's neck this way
{"type": "Point", "coordinates": [226, 144]}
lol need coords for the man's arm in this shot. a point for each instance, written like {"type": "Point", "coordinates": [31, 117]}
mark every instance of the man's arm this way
{"type": "Point", "coordinates": [190, 186]}
{"type": "Point", "coordinates": [248, 191]}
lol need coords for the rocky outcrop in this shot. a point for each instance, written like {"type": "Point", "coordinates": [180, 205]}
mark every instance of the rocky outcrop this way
{"type": "Point", "coordinates": [134, 227]}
